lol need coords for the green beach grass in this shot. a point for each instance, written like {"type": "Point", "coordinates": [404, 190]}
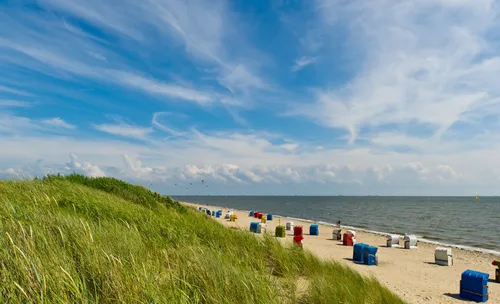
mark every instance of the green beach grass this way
{"type": "Point", "coordinates": [100, 240]}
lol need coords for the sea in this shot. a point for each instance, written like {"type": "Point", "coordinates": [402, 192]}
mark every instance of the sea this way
{"type": "Point", "coordinates": [463, 222]}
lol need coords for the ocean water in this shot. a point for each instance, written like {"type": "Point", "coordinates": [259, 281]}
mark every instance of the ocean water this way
{"type": "Point", "coordinates": [462, 221]}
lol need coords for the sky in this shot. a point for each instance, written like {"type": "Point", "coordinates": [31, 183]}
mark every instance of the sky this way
{"type": "Point", "coordinates": [280, 97]}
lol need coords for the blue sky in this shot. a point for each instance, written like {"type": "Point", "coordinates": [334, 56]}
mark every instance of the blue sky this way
{"type": "Point", "coordinates": [254, 97]}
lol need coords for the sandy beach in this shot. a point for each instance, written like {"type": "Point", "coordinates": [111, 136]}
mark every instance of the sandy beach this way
{"type": "Point", "coordinates": [411, 274]}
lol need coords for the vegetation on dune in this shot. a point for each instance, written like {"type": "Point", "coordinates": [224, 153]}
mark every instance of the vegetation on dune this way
{"type": "Point", "coordinates": [100, 240]}
{"type": "Point", "coordinates": [134, 193]}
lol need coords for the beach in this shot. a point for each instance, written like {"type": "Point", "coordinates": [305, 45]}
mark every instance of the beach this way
{"type": "Point", "coordinates": [411, 274]}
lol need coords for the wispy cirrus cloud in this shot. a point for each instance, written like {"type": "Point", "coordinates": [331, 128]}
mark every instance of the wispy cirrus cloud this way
{"type": "Point", "coordinates": [209, 31]}
{"type": "Point", "coordinates": [125, 130]}
{"type": "Point", "coordinates": [13, 91]}
{"type": "Point", "coordinates": [64, 50]}
{"type": "Point", "coordinates": [174, 91]}
{"type": "Point", "coordinates": [157, 122]}
{"type": "Point", "coordinates": [97, 56]}
{"type": "Point", "coordinates": [60, 62]}
{"type": "Point", "coordinates": [58, 122]}
{"type": "Point", "coordinates": [11, 103]}
{"type": "Point", "coordinates": [302, 62]}
{"type": "Point", "coordinates": [18, 125]}
{"type": "Point", "coordinates": [434, 72]}
{"type": "Point", "coordinates": [119, 19]}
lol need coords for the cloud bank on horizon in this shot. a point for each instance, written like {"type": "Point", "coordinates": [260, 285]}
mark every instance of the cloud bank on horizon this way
{"type": "Point", "coordinates": [255, 97]}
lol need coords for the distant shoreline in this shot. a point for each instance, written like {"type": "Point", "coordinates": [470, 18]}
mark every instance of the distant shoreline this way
{"type": "Point", "coordinates": [473, 197]}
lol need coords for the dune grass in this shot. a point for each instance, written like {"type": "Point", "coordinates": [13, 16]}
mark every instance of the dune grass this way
{"type": "Point", "coordinates": [100, 240]}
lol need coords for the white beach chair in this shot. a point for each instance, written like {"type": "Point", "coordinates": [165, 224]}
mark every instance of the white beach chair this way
{"type": "Point", "coordinates": [410, 241]}
{"type": "Point", "coordinates": [443, 256]}
{"type": "Point", "coordinates": [392, 240]}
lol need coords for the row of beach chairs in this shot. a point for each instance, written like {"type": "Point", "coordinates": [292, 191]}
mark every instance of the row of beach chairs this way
{"type": "Point", "coordinates": [473, 284]}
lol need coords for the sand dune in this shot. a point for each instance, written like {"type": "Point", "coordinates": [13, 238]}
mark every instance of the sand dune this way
{"type": "Point", "coordinates": [412, 274]}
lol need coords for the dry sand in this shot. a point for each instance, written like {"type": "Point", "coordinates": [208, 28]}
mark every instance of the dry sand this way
{"type": "Point", "coordinates": [411, 274]}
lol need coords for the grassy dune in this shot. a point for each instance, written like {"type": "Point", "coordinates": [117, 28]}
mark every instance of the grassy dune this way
{"type": "Point", "coordinates": [81, 240]}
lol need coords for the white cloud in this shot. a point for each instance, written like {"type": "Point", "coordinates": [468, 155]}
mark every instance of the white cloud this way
{"type": "Point", "coordinates": [135, 166]}
{"type": "Point", "coordinates": [433, 72]}
{"type": "Point", "coordinates": [290, 146]}
{"type": "Point", "coordinates": [13, 91]}
{"type": "Point", "coordinates": [55, 59]}
{"type": "Point", "coordinates": [229, 160]}
{"type": "Point", "coordinates": [190, 175]}
{"type": "Point", "coordinates": [175, 91]}
{"type": "Point", "coordinates": [414, 71]}
{"type": "Point", "coordinates": [10, 103]}
{"type": "Point", "coordinates": [199, 25]}
{"type": "Point", "coordinates": [302, 62]}
{"type": "Point", "coordinates": [446, 172]}
{"type": "Point", "coordinates": [58, 122]}
{"type": "Point", "coordinates": [12, 124]}
{"type": "Point", "coordinates": [157, 123]}
{"type": "Point", "coordinates": [97, 56]}
{"type": "Point", "coordinates": [86, 168]}
{"type": "Point", "coordinates": [9, 172]}
{"type": "Point", "coordinates": [239, 79]}
{"type": "Point", "coordinates": [60, 52]}
{"type": "Point", "coordinates": [125, 130]}
{"type": "Point", "coordinates": [203, 27]}
{"type": "Point", "coordinates": [210, 31]}
{"type": "Point", "coordinates": [110, 16]}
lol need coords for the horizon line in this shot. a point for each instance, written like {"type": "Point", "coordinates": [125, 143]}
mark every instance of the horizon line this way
{"type": "Point", "coordinates": [309, 195]}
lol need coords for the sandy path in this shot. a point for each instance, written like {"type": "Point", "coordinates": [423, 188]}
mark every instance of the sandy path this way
{"type": "Point", "coordinates": [411, 274]}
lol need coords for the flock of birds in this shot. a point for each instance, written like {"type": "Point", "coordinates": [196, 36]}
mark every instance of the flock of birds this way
{"type": "Point", "coordinates": [202, 182]}
{"type": "Point", "coordinates": [183, 185]}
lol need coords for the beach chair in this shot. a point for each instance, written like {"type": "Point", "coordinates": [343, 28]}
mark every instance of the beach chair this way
{"type": "Point", "coordinates": [314, 229]}
{"type": "Point", "coordinates": [280, 231]}
{"type": "Point", "coordinates": [254, 227]}
{"type": "Point", "coordinates": [262, 228]}
{"type": "Point", "coordinates": [392, 240]}
{"type": "Point", "coordinates": [443, 256]}
{"type": "Point", "coordinates": [357, 252]}
{"type": "Point", "coordinates": [349, 239]}
{"type": "Point", "coordinates": [474, 286]}
{"type": "Point", "coordinates": [370, 255]}
{"type": "Point", "coordinates": [410, 241]}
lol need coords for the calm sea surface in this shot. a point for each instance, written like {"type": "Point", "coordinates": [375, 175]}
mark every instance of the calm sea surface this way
{"type": "Point", "coordinates": [451, 220]}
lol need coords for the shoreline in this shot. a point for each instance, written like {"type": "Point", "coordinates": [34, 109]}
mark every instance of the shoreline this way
{"type": "Point", "coordinates": [419, 238]}
{"type": "Point", "coordinates": [431, 220]}
{"type": "Point", "coordinates": [411, 274]}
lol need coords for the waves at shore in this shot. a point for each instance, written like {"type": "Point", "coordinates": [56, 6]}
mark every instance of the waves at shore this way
{"type": "Point", "coordinates": [419, 237]}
